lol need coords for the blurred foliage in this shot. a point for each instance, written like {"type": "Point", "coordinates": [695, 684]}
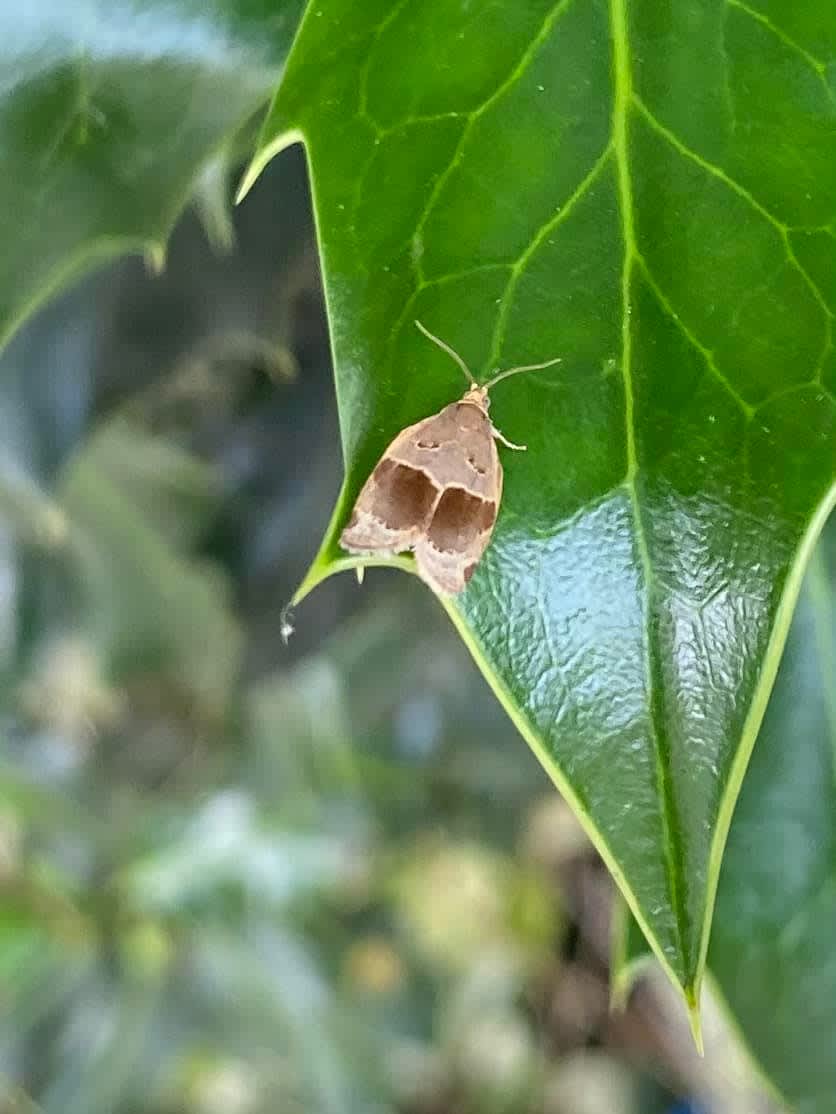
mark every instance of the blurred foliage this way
{"type": "Point", "coordinates": [238, 878]}
{"type": "Point", "coordinates": [109, 114]}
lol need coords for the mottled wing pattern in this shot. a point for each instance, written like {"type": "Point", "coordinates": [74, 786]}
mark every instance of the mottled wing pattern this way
{"type": "Point", "coordinates": [436, 490]}
{"type": "Point", "coordinates": [459, 534]}
{"type": "Point", "coordinates": [396, 502]}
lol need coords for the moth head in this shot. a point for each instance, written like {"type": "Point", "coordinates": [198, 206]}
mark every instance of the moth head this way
{"type": "Point", "coordinates": [478, 396]}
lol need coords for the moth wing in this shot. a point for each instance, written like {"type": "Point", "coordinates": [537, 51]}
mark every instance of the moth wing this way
{"type": "Point", "coordinates": [396, 502]}
{"type": "Point", "coordinates": [459, 532]}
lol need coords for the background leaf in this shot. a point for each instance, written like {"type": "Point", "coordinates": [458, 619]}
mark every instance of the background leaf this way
{"type": "Point", "coordinates": [647, 190]}
{"type": "Point", "coordinates": [108, 112]}
{"type": "Point", "coordinates": [772, 943]}
{"type": "Point", "coordinates": [134, 504]}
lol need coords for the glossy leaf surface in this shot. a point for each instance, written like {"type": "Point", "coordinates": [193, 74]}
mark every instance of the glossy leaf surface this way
{"type": "Point", "coordinates": [771, 951]}
{"type": "Point", "coordinates": [772, 945]}
{"type": "Point", "coordinates": [645, 189]}
{"type": "Point", "coordinates": [108, 114]}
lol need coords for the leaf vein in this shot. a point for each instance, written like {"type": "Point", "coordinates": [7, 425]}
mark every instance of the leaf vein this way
{"type": "Point", "coordinates": [710, 168]}
{"type": "Point", "coordinates": [419, 118]}
{"type": "Point", "coordinates": [789, 391]}
{"type": "Point", "coordinates": [363, 105]}
{"type": "Point", "coordinates": [814, 63]}
{"type": "Point", "coordinates": [718, 172]}
{"type": "Point", "coordinates": [623, 95]}
{"type": "Point", "coordinates": [706, 353]}
{"type": "Point", "coordinates": [518, 268]}
{"type": "Point", "coordinates": [513, 77]}
{"type": "Point", "coordinates": [728, 92]}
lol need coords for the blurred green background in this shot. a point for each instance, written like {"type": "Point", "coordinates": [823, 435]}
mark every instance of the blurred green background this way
{"type": "Point", "coordinates": [240, 877]}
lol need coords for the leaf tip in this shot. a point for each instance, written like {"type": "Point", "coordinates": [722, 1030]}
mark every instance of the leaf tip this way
{"type": "Point", "coordinates": [261, 158]}
{"type": "Point", "coordinates": [692, 1002]}
{"type": "Point", "coordinates": [250, 174]}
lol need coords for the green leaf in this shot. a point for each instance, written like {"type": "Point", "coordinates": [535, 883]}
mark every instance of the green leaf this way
{"type": "Point", "coordinates": [133, 505]}
{"type": "Point", "coordinates": [645, 189]}
{"type": "Point", "coordinates": [772, 953]}
{"type": "Point", "coordinates": [108, 113]}
{"type": "Point", "coordinates": [772, 950]}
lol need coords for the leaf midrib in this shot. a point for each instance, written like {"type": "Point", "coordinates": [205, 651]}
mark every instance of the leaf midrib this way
{"type": "Point", "coordinates": [622, 98]}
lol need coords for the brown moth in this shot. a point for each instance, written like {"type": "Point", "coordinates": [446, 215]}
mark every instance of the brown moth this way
{"type": "Point", "coordinates": [437, 488]}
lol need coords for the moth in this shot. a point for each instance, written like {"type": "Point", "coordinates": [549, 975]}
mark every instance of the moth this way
{"type": "Point", "coordinates": [437, 489]}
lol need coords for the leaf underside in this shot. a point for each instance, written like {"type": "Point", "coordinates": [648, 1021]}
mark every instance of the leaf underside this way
{"type": "Point", "coordinates": [648, 190]}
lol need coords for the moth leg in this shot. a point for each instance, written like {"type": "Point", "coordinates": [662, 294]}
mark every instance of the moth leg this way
{"type": "Point", "coordinates": [504, 440]}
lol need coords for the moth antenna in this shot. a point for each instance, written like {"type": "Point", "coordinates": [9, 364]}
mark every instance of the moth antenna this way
{"type": "Point", "coordinates": [450, 352]}
{"type": "Point", "coordinates": [517, 370]}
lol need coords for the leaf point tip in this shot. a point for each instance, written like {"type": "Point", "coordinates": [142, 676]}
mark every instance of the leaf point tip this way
{"type": "Point", "coordinates": [692, 1002]}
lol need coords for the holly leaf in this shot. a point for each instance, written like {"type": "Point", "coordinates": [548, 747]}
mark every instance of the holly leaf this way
{"type": "Point", "coordinates": [109, 113]}
{"type": "Point", "coordinates": [771, 951]}
{"type": "Point", "coordinates": [647, 190]}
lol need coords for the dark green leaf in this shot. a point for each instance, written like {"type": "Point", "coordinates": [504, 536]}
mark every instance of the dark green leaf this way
{"type": "Point", "coordinates": [646, 189]}
{"type": "Point", "coordinates": [108, 113]}
{"type": "Point", "coordinates": [772, 944]}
